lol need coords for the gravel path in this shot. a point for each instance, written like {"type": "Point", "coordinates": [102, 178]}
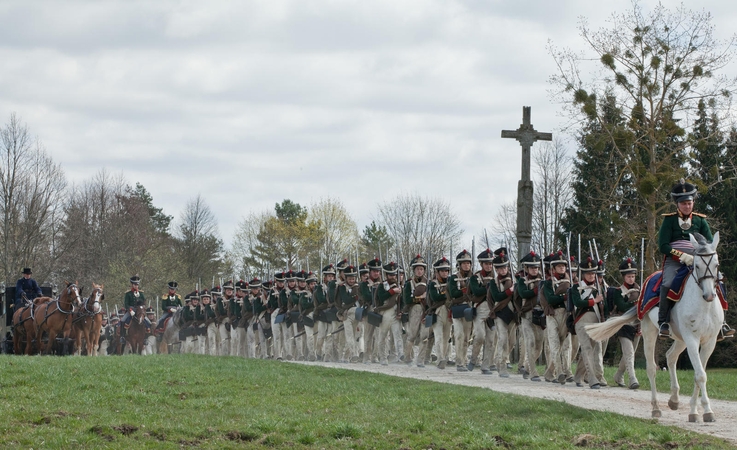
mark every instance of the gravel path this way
{"type": "Point", "coordinates": [612, 399]}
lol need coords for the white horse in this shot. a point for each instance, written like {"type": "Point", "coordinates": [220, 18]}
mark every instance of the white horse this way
{"type": "Point", "coordinates": [171, 332]}
{"type": "Point", "coordinates": [694, 325]}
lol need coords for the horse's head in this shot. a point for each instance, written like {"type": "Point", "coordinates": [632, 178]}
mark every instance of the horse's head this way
{"type": "Point", "coordinates": [93, 302]}
{"type": "Point", "coordinates": [71, 294]}
{"type": "Point", "coordinates": [706, 264]}
{"type": "Point", "coordinates": [139, 312]}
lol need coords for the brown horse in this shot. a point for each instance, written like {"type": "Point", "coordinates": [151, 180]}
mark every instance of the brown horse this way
{"type": "Point", "coordinates": [24, 329]}
{"type": "Point", "coordinates": [135, 336]}
{"type": "Point", "coordinates": [55, 317]}
{"type": "Point", "coordinates": [88, 322]}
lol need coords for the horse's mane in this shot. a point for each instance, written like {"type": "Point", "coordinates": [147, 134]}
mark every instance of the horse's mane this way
{"type": "Point", "coordinates": [41, 300]}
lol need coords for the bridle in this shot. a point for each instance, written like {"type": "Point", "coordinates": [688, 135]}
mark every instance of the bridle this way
{"type": "Point", "coordinates": [706, 259]}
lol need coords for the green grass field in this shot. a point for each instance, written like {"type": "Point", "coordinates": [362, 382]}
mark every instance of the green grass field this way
{"type": "Point", "coordinates": [198, 401]}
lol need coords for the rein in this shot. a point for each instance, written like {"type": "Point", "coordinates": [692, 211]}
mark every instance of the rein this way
{"type": "Point", "coordinates": [708, 274]}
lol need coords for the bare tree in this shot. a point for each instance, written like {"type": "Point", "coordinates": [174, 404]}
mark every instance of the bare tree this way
{"type": "Point", "coordinates": [419, 225]}
{"type": "Point", "coordinates": [32, 190]}
{"type": "Point", "coordinates": [200, 248]}
{"type": "Point", "coordinates": [553, 194]}
{"type": "Point", "coordinates": [338, 233]}
{"type": "Point", "coordinates": [245, 242]}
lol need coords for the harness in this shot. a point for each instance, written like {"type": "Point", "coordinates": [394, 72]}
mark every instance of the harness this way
{"type": "Point", "coordinates": [708, 273]}
{"type": "Point", "coordinates": [59, 308]}
{"type": "Point", "coordinates": [84, 311]}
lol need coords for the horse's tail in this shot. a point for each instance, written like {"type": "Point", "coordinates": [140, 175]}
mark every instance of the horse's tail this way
{"type": "Point", "coordinates": [604, 330]}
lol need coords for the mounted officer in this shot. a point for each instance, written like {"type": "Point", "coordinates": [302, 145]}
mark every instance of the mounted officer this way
{"type": "Point", "coordinates": [133, 298]}
{"type": "Point", "coordinates": [675, 244]}
{"type": "Point", "coordinates": [169, 303]}
{"type": "Point", "coordinates": [28, 286]}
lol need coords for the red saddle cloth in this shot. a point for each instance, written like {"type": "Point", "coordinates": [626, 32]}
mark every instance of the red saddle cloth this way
{"type": "Point", "coordinates": [650, 293]}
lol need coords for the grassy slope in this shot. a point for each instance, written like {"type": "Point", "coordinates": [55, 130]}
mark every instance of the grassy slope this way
{"type": "Point", "coordinates": [170, 401]}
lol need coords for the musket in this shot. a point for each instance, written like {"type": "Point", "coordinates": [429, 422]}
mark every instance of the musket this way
{"type": "Point", "coordinates": [598, 287]}
{"type": "Point", "coordinates": [569, 302]}
{"type": "Point", "coordinates": [473, 254]}
{"type": "Point", "coordinates": [579, 258]}
{"type": "Point", "coordinates": [341, 328]}
{"type": "Point", "coordinates": [642, 261]}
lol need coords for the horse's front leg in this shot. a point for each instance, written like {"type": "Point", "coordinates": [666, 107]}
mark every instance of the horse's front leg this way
{"type": "Point", "coordinates": [672, 357]}
{"type": "Point", "coordinates": [699, 360]}
{"type": "Point", "coordinates": [650, 337]}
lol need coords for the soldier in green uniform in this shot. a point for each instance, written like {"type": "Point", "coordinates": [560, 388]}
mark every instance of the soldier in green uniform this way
{"type": "Point", "coordinates": [414, 304]}
{"type": "Point", "coordinates": [297, 339]}
{"type": "Point", "coordinates": [387, 298]}
{"type": "Point", "coordinates": [590, 308]}
{"type": "Point", "coordinates": [458, 290]}
{"type": "Point", "coordinates": [189, 322]}
{"type": "Point", "coordinates": [133, 298]}
{"type": "Point", "coordinates": [624, 298]}
{"type": "Point", "coordinates": [528, 287]}
{"type": "Point", "coordinates": [169, 303]}
{"type": "Point", "coordinates": [238, 342]}
{"type": "Point", "coordinates": [501, 292]}
{"type": "Point", "coordinates": [554, 304]}
{"type": "Point", "coordinates": [439, 303]}
{"type": "Point", "coordinates": [275, 310]}
{"type": "Point", "coordinates": [368, 302]}
{"type": "Point", "coordinates": [322, 304]}
{"type": "Point", "coordinates": [207, 312]}
{"type": "Point", "coordinates": [256, 340]}
{"type": "Point", "coordinates": [483, 335]}
{"type": "Point", "coordinates": [675, 244]}
{"type": "Point", "coordinates": [347, 299]}
{"type": "Point", "coordinates": [336, 342]}
{"type": "Point", "coordinates": [307, 312]}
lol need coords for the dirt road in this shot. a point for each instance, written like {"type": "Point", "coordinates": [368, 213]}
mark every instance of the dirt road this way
{"type": "Point", "coordinates": [612, 399]}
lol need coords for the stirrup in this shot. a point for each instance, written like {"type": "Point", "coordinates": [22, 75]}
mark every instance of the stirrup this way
{"type": "Point", "coordinates": [664, 332]}
{"type": "Point", "coordinates": [727, 331]}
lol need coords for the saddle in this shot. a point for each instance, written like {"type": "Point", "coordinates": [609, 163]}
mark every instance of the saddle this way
{"type": "Point", "coordinates": [650, 293]}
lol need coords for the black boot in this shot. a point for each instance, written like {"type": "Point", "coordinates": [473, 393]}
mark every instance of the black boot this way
{"type": "Point", "coordinates": [664, 313]}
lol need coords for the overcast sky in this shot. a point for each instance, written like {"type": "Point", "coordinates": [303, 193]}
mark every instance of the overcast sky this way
{"type": "Point", "coordinates": [249, 103]}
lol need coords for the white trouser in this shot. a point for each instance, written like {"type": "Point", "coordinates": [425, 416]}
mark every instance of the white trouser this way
{"type": "Point", "coordinates": [556, 332]}
{"type": "Point", "coordinates": [533, 337]}
{"type": "Point", "coordinates": [590, 350]}
{"type": "Point", "coordinates": [352, 334]}
{"type": "Point", "coordinates": [388, 318]}
{"type": "Point", "coordinates": [627, 363]}
{"type": "Point", "coordinates": [461, 335]}
{"type": "Point", "coordinates": [211, 341]}
{"type": "Point", "coordinates": [441, 330]}
{"type": "Point", "coordinates": [310, 339]}
{"type": "Point", "coordinates": [504, 333]}
{"type": "Point", "coordinates": [223, 339]}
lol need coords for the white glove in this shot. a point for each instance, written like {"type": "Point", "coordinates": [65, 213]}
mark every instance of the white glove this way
{"type": "Point", "coordinates": [686, 259]}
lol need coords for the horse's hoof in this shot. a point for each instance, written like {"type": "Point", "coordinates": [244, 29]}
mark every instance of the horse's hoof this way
{"type": "Point", "coordinates": [672, 405]}
{"type": "Point", "coordinates": [709, 417]}
{"type": "Point", "coordinates": [693, 417]}
{"type": "Point", "coordinates": [656, 413]}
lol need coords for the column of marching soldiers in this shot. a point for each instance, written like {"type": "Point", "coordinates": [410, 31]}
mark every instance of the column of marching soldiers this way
{"type": "Point", "coordinates": [371, 314]}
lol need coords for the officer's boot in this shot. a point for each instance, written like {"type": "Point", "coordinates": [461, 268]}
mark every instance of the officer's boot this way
{"type": "Point", "coordinates": [664, 313]}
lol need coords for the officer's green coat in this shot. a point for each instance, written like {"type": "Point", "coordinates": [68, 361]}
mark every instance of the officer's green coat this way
{"type": "Point", "coordinates": [129, 301]}
{"type": "Point", "coordinates": [670, 231]}
{"type": "Point", "coordinates": [168, 301]}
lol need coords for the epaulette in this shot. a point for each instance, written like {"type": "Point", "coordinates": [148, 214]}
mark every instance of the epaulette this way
{"type": "Point", "coordinates": [669, 214]}
{"type": "Point", "coordinates": [699, 214]}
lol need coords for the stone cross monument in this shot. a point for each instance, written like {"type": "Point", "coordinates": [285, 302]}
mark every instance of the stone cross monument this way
{"type": "Point", "coordinates": [526, 135]}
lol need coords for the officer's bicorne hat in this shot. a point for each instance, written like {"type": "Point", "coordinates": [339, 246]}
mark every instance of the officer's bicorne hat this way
{"type": "Point", "coordinates": [328, 270]}
{"type": "Point", "coordinates": [254, 283]}
{"type": "Point", "coordinates": [363, 268]}
{"type": "Point", "coordinates": [530, 259]}
{"type": "Point", "coordinates": [279, 276]}
{"type": "Point", "coordinates": [683, 191]}
{"type": "Point", "coordinates": [589, 264]}
{"type": "Point", "coordinates": [485, 256]}
{"type": "Point", "coordinates": [558, 258]}
{"type": "Point", "coordinates": [135, 279]}
{"type": "Point", "coordinates": [311, 277]}
{"type": "Point", "coordinates": [463, 257]}
{"type": "Point", "coordinates": [627, 266]}
{"type": "Point", "coordinates": [374, 264]}
{"type": "Point", "coordinates": [500, 259]}
{"type": "Point", "coordinates": [441, 264]}
{"type": "Point", "coordinates": [341, 265]}
{"type": "Point", "coordinates": [172, 285]}
{"type": "Point", "coordinates": [27, 271]}
{"type": "Point", "coordinates": [390, 268]}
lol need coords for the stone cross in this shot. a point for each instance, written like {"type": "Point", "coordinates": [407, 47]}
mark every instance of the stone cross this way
{"type": "Point", "coordinates": [526, 136]}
